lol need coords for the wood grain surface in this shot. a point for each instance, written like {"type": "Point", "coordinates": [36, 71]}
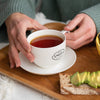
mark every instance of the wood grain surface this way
{"type": "Point", "coordinates": [87, 60]}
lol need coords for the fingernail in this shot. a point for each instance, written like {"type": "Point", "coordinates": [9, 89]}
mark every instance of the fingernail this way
{"type": "Point", "coordinates": [32, 59]}
{"type": "Point", "coordinates": [67, 27]}
{"type": "Point", "coordinates": [17, 65]}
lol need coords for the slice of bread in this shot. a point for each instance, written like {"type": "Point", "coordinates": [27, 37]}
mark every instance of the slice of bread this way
{"type": "Point", "coordinates": [67, 88]}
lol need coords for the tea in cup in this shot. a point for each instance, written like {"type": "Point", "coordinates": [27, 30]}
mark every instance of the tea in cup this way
{"type": "Point", "coordinates": [48, 47]}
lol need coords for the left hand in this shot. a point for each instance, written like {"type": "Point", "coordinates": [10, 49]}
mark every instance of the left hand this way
{"type": "Point", "coordinates": [84, 34]}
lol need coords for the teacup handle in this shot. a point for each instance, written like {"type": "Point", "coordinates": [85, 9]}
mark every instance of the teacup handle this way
{"type": "Point", "coordinates": [63, 31]}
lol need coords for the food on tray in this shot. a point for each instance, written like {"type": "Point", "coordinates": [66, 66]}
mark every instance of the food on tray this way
{"type": "Point", "coordinates": [84, 83]}
{"type": "Point", "coordinates": [98, 43]}
{"type": "Point", "coordinates": [75, 79]}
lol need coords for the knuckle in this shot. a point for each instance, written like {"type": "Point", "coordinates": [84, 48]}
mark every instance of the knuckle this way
{"type": "Point", "coordinates": [11, 49]}
{"type": "Point", "coordinates": [77, 16]}
{"type": "Point", "coordinates": [18, 37]}
{"type": "Point", "coordinates": [20, 24]}
{"type": "Point", "coordinates": [12, 31]}
{"type": "Point", "coordinates": [17, 46]}
{"type": "Point", "coordinates": [34, 22]}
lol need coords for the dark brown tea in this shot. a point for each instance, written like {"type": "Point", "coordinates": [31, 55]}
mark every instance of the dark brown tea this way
{"type": "Point", "coordinates": [46, 41]}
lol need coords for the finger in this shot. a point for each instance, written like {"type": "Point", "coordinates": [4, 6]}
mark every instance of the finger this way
{"type": "Point", "coordinates": [79, 45]}
{"type": "Point", "coordinates": [29, 55]}
{"type": "Point", "coordinates": [19, 34]}
{"type": "Point", "coordinates": [21, 38]}
{"type": "Point", "coordinates": [15, 55]}
{"type": "Point", "coordinates": [73, 23]}
{"type": "Point", "coordinates": [34, 25]}
{"type": "Point", "coordinates": [11, 58]}
{"type": "Point", "coordinates": [37, 25]}
{"type": "Point", "coordinates": [12, 64]}
{"type": "Point", "coordinates": [83, 29]}
{"type": "Point", "coordinates": [85, 39]}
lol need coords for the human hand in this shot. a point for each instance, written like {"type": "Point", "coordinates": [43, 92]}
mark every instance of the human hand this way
{"type": "Point", "coordinates": [84, 34]}
{"type": "Point", "coordinates": [17, 24]}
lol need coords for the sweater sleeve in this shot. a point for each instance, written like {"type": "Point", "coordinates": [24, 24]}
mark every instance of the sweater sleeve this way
{"type": "Point", "coordinates": [7, 7]}
{"type": "Point", "coordinates": [94, 13]}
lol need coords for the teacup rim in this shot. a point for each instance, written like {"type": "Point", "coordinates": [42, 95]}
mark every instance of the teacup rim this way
{"type": "Point", "coordinates": [46, 30]}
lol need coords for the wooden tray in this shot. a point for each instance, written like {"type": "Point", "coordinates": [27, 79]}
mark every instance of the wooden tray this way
{"type": "Point", "coordinates": [87, 60]}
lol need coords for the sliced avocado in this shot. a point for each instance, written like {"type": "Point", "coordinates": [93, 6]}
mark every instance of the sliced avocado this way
{"type": "Point", "coordinates": [87, 78]}
{"type": "Point", "coordinates": [75, 79]}
{"type": "Point", "coordinates": [98, 78]}
{"type": "Point", "coordinates": [83, 76]}
{"type": "Point", "coordinates": [92, 82]}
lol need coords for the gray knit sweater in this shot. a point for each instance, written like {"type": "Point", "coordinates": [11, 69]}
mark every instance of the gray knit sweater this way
{"type": "Point", "coordinates": [54, 9]}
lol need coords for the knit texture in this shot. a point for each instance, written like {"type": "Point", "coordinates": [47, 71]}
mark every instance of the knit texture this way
{"type": "Point", "coordinates": [7, 7]}
{"type": "Point", "coordinates": [62, 10]}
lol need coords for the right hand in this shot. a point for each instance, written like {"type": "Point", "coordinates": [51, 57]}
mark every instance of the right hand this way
{"type": "Point", "coordinates": [17, 24]}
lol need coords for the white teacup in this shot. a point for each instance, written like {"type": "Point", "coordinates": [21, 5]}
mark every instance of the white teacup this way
{"type": "Point", "coordinates": [51, 56]}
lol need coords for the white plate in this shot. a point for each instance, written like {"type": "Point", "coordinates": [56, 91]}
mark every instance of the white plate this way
{"type": "Point", "coordinates": [69, 60]}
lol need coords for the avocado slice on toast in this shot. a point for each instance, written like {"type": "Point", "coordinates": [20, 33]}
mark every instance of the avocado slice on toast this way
{"type": "Point", "coordinates": [75, 79]}
{"type": "Point", "coordinates": [87, 78]}
{"type": "Point", "coordinates": [93, 82]}
{"type": "Point", "coordinates": [83, 76]}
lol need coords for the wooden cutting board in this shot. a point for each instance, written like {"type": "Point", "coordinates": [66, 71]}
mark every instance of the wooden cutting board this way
{"type": "Point", "coordinates": [87, 60]}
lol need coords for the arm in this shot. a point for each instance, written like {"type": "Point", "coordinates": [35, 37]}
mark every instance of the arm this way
{"type": "Point", "coordinates": [17, 15]}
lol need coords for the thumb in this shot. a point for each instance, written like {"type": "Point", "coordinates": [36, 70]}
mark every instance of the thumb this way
{"type": "Point", "coordinates": [73, 23]}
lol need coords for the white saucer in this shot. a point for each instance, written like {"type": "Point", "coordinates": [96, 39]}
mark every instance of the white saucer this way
{"type": "Point", "coordinates": [69, 60]}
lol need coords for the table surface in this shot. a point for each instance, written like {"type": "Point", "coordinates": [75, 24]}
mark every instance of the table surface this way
{"type": "Point", "coordinates": [83, 63]}
{"type": "Point", "coordinates": [18, 91]}
{"type": "Point", "coordinates": [13, 90]}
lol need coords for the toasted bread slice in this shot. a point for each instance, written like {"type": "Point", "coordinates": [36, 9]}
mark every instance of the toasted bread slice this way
{"type": "Point", "coordinates": [67, 88]}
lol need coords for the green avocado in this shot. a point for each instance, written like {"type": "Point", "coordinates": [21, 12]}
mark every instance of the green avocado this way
{"type": "Point", "coordinates": [98, 78]}
{"type": "Point", "coordinates": [75, 79]}
{"type": "Point", "coordinates": [83, 76]}
{"type": "Point", "coordinates": [87, 78]}
{"type": "Point", "coordinates": [92, 81]}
